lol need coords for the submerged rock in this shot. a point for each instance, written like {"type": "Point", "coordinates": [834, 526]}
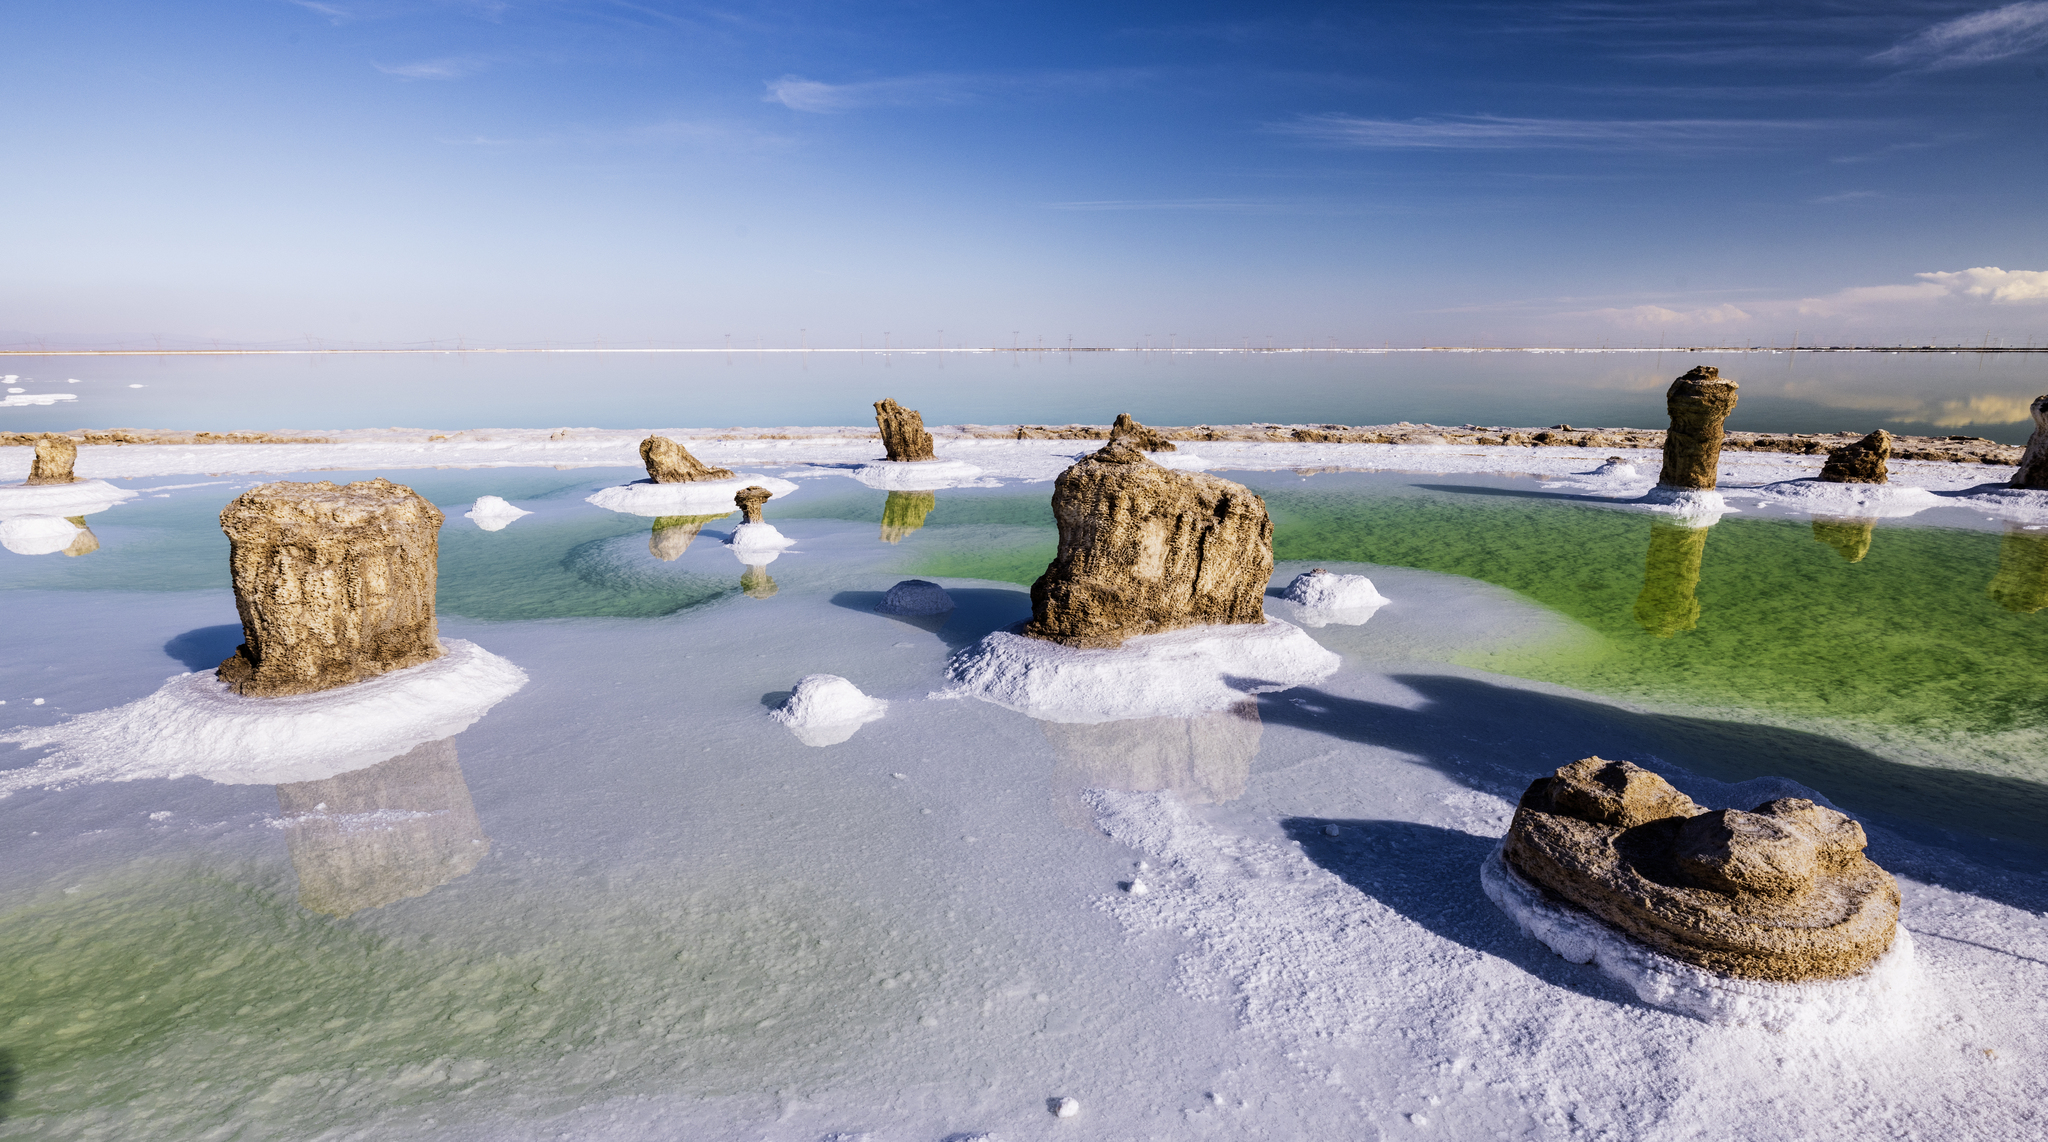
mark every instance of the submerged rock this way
{"type": "Point", "coordinates": [670, 463]}
{"type": "Point", "coordinates": [904, 512]}
{"type": "Point", "coordinates": [334, 584]}
{"type": "Point", "coordinates": [393, 831]}
{"type": "Point", "coordinates": [2033, 470]}
{"type": "Point", "coordinates": [916, 597]}
{"type": "Point", "coordinates": [1699, 402]}
{"type": "Point", "coordinates": [1669, 600]}
{"type": "Point", "coordinates": [903, 433]}
{"type": "Point", "coordinates": [1144, 549]}
{"type": "Point", "coordinates": [1860, 463]}
{"type": "Point", "coordinates": [55, 457]}
{"type": "Point", "coordinates": [672, 534]}
{"type": "Point", "coordinates": [2021, 585]}
{"type": "Point", "coordinates": [1782, 892]}
{"type": "Point", "coordinates": [1849, 537]}
{"type": "Point", "coordinates": [1137, 435]}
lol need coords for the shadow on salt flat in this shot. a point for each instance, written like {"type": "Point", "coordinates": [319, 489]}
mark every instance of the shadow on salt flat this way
{"type": "Point", "coordinates": [204, 648]}
{"type": "Point", "coordinates": [977, 612]}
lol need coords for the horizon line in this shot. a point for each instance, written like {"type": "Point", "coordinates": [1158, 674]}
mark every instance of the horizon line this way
{"type": "Point", "coordinates": [1246, 350]}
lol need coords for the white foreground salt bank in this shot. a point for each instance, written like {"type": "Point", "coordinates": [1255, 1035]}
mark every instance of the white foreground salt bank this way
{"type": "Point", "coordinates": [1176, 674]}
{"type": "Point", "coordinates": [704, 497]}
{"type": "Point", "coordinates": [1179, 461]}
{"type": "Point", "coordinates": [492, 513]}
{"type": "Point", "coordinates": [195, 725]}
{"type": "Point", "coordinates": [1326, 597]}
{"type": "Point", "coordinates": [825, 709]}
{"type": "Point", "coordinates": [758, 542]}
{"type": "Point", "coordinates": [37, 534]}
{"type": "Point", "coordinates": [916, 597]}
{"type": "Point", "coordinates": [81, 497]}
{"type": "Point", "coordinates": [1861, 501]}
{"type": "Point", "coordinates": [1878, 994]}
{"type": "Point", "coordinates": [2020, 505]}
{"type": "Point", "coordinates": [917, 475]}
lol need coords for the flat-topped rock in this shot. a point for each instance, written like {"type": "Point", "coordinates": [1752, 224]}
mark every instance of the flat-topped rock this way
{"type": "Point", "coordinates": [56, 456]}
{"type": "Point", "coordinates": [670, 463]}
{"type": "Point", "coordinates": [903, 433]}
{"type": "Point", "coordinates": [1860, 463]}
{"type": "Point", "coordinates": [1699, 403]}
{"type": "Point", "coordinates": [1781, 892]}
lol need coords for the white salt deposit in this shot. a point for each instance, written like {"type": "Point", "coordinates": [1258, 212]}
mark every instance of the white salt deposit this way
{"type": "Point", "coordinates": [81, 497]}
{"type": "Point", "coordinates": [1694, 507]}
{"type": "Point", "coordinates": [1067, 1107]}
{"type": "Point", "coordinates": [919, 475]}
{"type": "Point", "coordinates": [825, 709]}
{"type": "Point", "coordinates": [37, 534]}
{"type": "Point", "coordinates": [915, 597]}
{"type": "Point", "coordinates": [1176, 674]}
{"type": "Point", "coordinates": [1327, 597]}
{"type": "Point", "coordinates": [758, 542]}
{"type": "Point", "coordinates": [194, 724]}
{"type": "Point", "coordinates": [1861, 501]}
{"type": "Point", "coordinates": [1878, 994]}
{"type": "Point", "coordinates": [2020, 505]}
{"type": "Point", "coordinates": [645, 497]}
{"type": "Point", "coordinates": [1180, 461]}
{"type": "Point", "coordinates": [492, 513]}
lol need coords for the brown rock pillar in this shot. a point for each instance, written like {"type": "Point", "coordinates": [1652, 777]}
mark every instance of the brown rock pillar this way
{"type": "Point", "coordinates": [903, 433]}
{"type": "Point", "coordinates": [424, 832]}
{"type": "Point", "coordinates": [1860, 463]}
{"type": "Point", "coordinates": [1146, 549]}
{"type": "Point", "coordinates": [1671, 579]}
{"type": "Point", "coordinates": [1849, 537]}
{"type": "Point", "coordinates": [2021, 585]}
{"type": "Point", "coordinates": [1138, 436]}
{"type": "Point", "coordinates": [750, 499]}
{"type": "Point", "coordinates": [55, 457]}
{"type": "Point", "coordinates": [672, 534]}
{"type": "Point", "coordinates": [1698, 402]}
{"type": "Point", "coordinates": [670, 463]}
{"type": "Point", "coordinates": [334, 584]}
{"type": "Point", "coordinates": [2033, 471]}
{"type": "Point", "coordinates": [904, 513]}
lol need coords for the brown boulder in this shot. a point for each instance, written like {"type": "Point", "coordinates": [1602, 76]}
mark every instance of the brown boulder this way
{"type": "Point", "coordinates": [903, 432]}
{"type": "Point", "coordinates": [1699, 402]}
{"type": "Point", "coordinates": [1861, 462]}
{"type": "Point", "coordinates": [334, 584]}
{"type": "Point", "coordinates": [750, 499]}
{"type": "Point", "coordinates": [55, 457]}
{"type": "Point", "coordinates": [1146, 549]}
{"type": "Point", "coordinates": [670, 463]}
{"type": "Point", "coordinates": [2033, 471]}
{"type": "Point", "coordinates": [1145, 439]}
{"type": "Point", "coordinates": [1782, 892]}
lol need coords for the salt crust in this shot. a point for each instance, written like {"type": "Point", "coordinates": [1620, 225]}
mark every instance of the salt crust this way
{"type": "Point", "coordinates": [492, 513]}
{"type": "Point", "coordinates": [918, 475]}
{"type": "Point", "coordinates": [1661, 981]}
{"type": "Point", "coordinates": [703, 497]}
{"type": "Point", "coordinates": [1863, 501]}
{"type": "Point", "coordinates": [82, 497]}
{"type": "Point", "coordinates": [1346, 600]}
{"type": "Point", "coordinates": [1175, 674]}
{"type": "Point", "coordinates": [758, 542]}
{"type": "Point", "coordinates": [915, 597]}
{"type": "Point", "coordinates": [825, 709]}
{"type": "Point", "coordinates": [1694, 507]}
{"type": "Point", "coordinates": [37, 534]}
{"type": "Point", "coordinates": [2020, 505]}
{"type": "Point", "coordinates": [195, 725]}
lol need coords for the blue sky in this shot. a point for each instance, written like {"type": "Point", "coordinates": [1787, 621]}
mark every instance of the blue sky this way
{"type": "Point", "coordinates": [370, 171]}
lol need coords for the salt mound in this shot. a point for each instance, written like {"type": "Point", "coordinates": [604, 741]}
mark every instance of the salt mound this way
{"type": "Point", "coordinates": [492, 513]}
{"type": "Point", "coordinates": [194, 724]}
{"type": "Point", "coordinates": [1662, 981]}
{"type": "Point", "coordinates": [1334, 598]}
{"type": "Point", "coordinates": [1861, 501]}
{"type": "Point", "coordinates": [915, 597]}
{"type": "Point", "coordinates": [1174, 674]}
{"type": "Point", "coordinates": [700, 497]}
{"type": "Point", "coordinates": [825, 709]}
{"type": "Point", "coordinates": [81, 497]}
{"type": "Point", "coordinates": [752, 541]}
{"type": "Point", "coordinates": [1616, 467]}
{"type": "Point", "coordinates": [917, 475]}
{"type": "Point", "coordinates": [37, 534]}
{"type": "Point", "coordinates": [1694, 507]}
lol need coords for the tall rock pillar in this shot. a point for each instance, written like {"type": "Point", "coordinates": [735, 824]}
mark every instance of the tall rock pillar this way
{"type": "Point", "coordinates": [1698, 402]}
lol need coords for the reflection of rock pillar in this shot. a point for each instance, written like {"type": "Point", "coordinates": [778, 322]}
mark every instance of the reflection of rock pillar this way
{"type": "Point", "coordinates": [756, 583]}
{"type": "Point", "coordinates": [55, 456]}
{"type": "Point", "coordinates": [1698, 402]}
{"type": "Point", "coordinates": [398, 829]}
{"type": "Point", "coordinates": [672, 534]}
{"type": "Point", "coordinates": [2033, 471]}
{"type": "Point", "coordinates": [904, 513]}
{"type": "Point", "coordinates": [1849, 536]}
{"type": "Point", "coordinates": [2021, 584]}
{"type": "Point", "coordinates": [334, 584]}
{"type": "Point", "coordinates": [85, 543]}
{"type": "Point", "coordinates": [1205, 759]}
{"type": "Point", "coordinates": [1671, 575]}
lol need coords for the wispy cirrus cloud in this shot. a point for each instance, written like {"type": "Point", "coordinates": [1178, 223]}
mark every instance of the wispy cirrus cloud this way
{"type": "Point", "coordinates": [1980, 37]}
{"type": "Point", "coordinates": [332, 12]}
{"type": "Point", "coordinates": [1845, 196]}
{"type": "Point", "coordinates": [816, 97]}
{"type": "Point", "coordinates": [451, 67]}
{"type": "Point", "coordinates": [1500, 132]}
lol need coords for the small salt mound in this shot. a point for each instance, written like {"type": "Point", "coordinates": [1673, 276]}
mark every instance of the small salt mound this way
{"type": "Point", "coordinates": [705, 497]}
{"type": "Point", "coordinates": [1326, 591]}
{"type": "Point", "coordinates": [1694, 507]}
{"type": "Point", "coordinates": [758, 542]}
{"type": "Point", "coordinates": [917, 475]}
{"type": "Point", "coordinates": [825, 709]}
{"type": "Point", "coordinates": [1661, 981]}
{"type": "Point", "coordinates": [1176, 674]}
{"type": "Point", "coordinates": [37, 534]}
{"type": "Point", "coordinates": [492, 513]}
{"type": "Point", "coordinates": [194, 724]}
{"type": "Point", "coordinates": [915, 597]}
{"type": "Point", "coordinates": [1862, 501]}
{"type": "Point", "coordinates": [81, 497]}
{"type": "Point", "coordinates": [1617, 467]}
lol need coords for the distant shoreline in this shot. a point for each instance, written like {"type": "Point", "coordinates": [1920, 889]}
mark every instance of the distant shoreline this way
{"type": "Point", "coordinates": [436, 349]}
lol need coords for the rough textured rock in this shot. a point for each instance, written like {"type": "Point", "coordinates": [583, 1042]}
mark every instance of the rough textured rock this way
{"type": "Point", "coordinates": [903, 433]}
{"type": "Point", "coordinates": [85, 543]}
{"type": "Point", "coordinates": [334, 584]}
{"type": "Point", "coordinates": [426, 834]}
{"type": "Point", "coordinates": [673, 534]}
{"type": "Point", "coordinates": [55, 457]}
{"type": "Point", "coordinates": [1698, 402]}
{"type": "Point", "coordinates": [2021, 585]}
{"type": "Point", "coordinates": [1782, 892]}
{"type": "Point", "coordinates": [756, 583]}
{"type": "Point", "coordinates": [904, 513]}
{"type": "Point", "coordinates": [1145, 549]}
{"type": "Point", "coordinates": [670, 463]}
{"type": "Point", "coordinates": [2033, 462]}
{"type": "Point", "coordinates": [1861, 462]}
{"type": "Point", "coordinates": [750, 499]}
{"type": "Point", "coordinates": [1849, 537]}
{"type": "Point", "coordinates": [1205, 760]}
{"type": "Point", "coordinates": [1669, 601]}
{"type": "Point", "coordinates": [1145, 439]}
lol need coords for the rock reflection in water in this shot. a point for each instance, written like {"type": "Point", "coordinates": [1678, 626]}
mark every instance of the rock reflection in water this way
{"type": "Point", "coordinates": [86, 542]}
{"type": "Point", "coordinates": [2021, 585]}
{"type": "Point", "coordinates": [672, 534]}
{"type": "Point", "coordinates": [756, 583]}
{"type": "Point", "coordinates": [904, 513]}
{"type": "Point", "coordinates": [1204, 760]}
{"type": "Point", "coordinates": [1849, 536]}
{"type": "Point", "coordinates": [1671, 575]}
{"type": "Point", "coordinates": [398, 829]}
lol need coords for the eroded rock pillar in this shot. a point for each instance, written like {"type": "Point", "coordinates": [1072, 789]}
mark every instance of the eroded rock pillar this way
{"type": "Point", "coordinates": [1139, 436]}
{"type": "Point", "coordinates": [670, 463]}
{"type": "Point", "coordinates": [55, 457]}
{"type": "Point", "coordinates": [1860, 463]}
{"type": "Point", "coordinates": [903, 433]}
{"type": "Point", "coordinates": [1699, 402]}
{"type": "Point", "coordinates": [2033, 472]}
{"type": "Point", "coordinates": [750, 499]}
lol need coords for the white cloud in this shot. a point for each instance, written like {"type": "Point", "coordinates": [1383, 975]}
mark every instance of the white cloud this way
{"type": "Point", "coordinates": [1994, 283]}
{"type": "Point", "coordinates": [1845, 196]}
{"type": "Point", "coordinates": [1980, 37]}
{"type": "Point", "coordinates": [800, 94]}
{"type": "Point", "coordinates": [337, 15]}
{"type": "Point", "coordinates": [1494, 132]}
{"type": "Point", "coordinates": [1657, 316]}
{"type": "Point", "coordinates": [453, 67]}
{"type": "Point", "coordinates": [1933, 295]}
